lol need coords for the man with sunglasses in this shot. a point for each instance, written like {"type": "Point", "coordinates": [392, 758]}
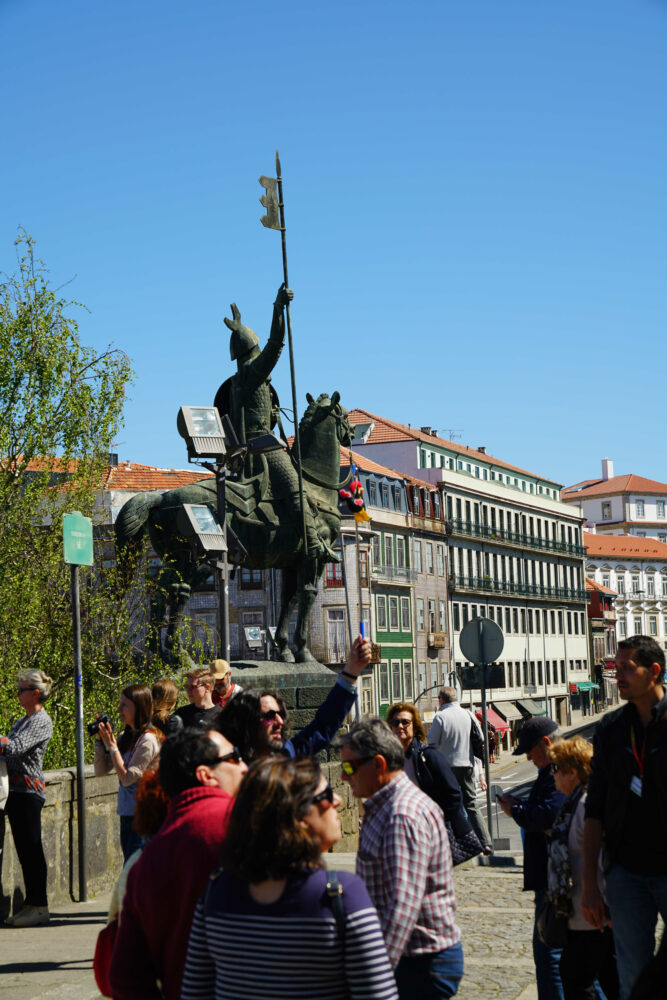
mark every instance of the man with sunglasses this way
{"type": "Point", "coordinates": [535, 816]}
{"type": "Point", "coordinates": [405, 861]}
{"type": "Point", "coordinates": [202, 712]}
{"type": "Point", "coordinates": [201, 774]}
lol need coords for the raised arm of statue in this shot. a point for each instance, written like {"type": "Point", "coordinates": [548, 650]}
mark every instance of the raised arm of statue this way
{"type": "Point", "coordinates": [263, 365]}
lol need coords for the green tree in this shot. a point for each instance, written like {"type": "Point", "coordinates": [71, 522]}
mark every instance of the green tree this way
{"type": "Point", "coordinates": [61, 406]}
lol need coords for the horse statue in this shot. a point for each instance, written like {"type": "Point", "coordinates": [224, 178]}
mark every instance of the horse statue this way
{"type": "Point", "coordinates": [263, 522]}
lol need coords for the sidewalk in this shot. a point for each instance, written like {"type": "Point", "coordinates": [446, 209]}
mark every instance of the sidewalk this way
{"type": "Point", "coordinates": [55, 962]}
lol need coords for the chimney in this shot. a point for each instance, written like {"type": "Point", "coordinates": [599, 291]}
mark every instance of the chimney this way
{"type": "Point", "coordinates": [426, 430]}
{"type": "Point", "coordinates": [482, 449]}
{"type": "Point", "coordinates": [607, 469]}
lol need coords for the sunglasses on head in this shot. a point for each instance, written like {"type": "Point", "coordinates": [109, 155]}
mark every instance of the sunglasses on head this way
{"type": "Point", "coordinates": [395, 723]}
{"type": "Point", "coordinates": [270, 714]}
{"type": "Point", "coordinates": [235, 755]}
{"type": "Point", "coordinates": [349, 767]}
{"type": "Point", "coordinates": [327, 793]}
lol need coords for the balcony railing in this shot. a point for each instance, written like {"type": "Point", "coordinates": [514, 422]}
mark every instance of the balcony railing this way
{"type": "Point", "coordinates": [486, 585]}
{"type": "Point", "coordinates": [394, 574]}
{"type": "Point", "coordinates": [474, 530]}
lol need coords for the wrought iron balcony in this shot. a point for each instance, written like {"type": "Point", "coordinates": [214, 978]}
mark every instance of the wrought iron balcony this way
{"type": "Point", "coordinates": [394, 574]}
{"type": "Point", "coordinates": [503, 537]}
{"type": "Point", "coordinates": [486, 585]}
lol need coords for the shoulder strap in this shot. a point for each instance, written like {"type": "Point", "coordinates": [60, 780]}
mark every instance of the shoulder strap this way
{"type": "Point", "coordinates": [334, 893]}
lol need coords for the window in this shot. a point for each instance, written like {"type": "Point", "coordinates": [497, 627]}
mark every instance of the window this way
{"type": "Point", "coordinates": [620, 584]}
{"type": "Point", "coordinates": [440, 559]}
{"type": "Point", "coordinates": [405, 614]}
{"type": "Point", "coordinates": [660, 508]}
{"type": "Point", "coordinates": [443, 617]}
{"type": "Point", "coordinates": [363, 567]}
{"type": "Point", "coordinates": [431, 616]}
{"type": "Point", "coordinates": [381, 612]}
{"type": "Point", "coordinates": [436, 505]}
{"type": "Point", "coordinates": [606, 580]}
{"type": "Point", "coordinates": [384, 682]}
{"type": "Point", "coordinates": [427, 503]}
{"type": "Point", "coordinates": [662, 537]}
{"type": "Point", "coordinates": [606, 510]}
{"type": "Point", "coordinates": [336, 634]}
{"type": "Point", "coordinates": [251, 579]}
{"type": "Point", "coordinates": [635, 584]}
{"type": "Point", "coordinates": [650, 586]}
{"type": "Point", "coordinates": [334, 575]}
{"type": "Point", "coordinates": [407, 680]}
{"type": "Point", "coordinates": [621, 627]}
{"type": "Point", "coordinates": [638, 624]}
{"type": "Point", "coordinates": [396, 492]}
{"type": "Point", "coordinates": [388, 550]}
{"type": "Point", "coordinates": [418, 556]}
{"type": "Point", "coordinates": [456, 618]}
{"type": "Point", "coordinates": [372, 493]}
{"type": "Point", "coordinates": [639, 507]}
{"type": "Point", "coordinates": [393, 614]}
{"type": "Point", "coordinates": [421, 670]}
{"type": "Point", "coordinates": [396, 680]}
{"type": "Point", "coordinates": [652, 625]}
{"type": "Point", "coordinates": [420, 614]}
{"type": "Point", "coordinates": [377, 558]}
{"type": "Point", "coordinates": [429, 557]}
{"type": "Point", "coordinates": [384, 493]}
{"type": "Point", "coordinates": [400, 552]}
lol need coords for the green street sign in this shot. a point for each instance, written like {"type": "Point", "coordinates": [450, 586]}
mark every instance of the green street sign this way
{"type": "Point", "coordinates": [78, 539]}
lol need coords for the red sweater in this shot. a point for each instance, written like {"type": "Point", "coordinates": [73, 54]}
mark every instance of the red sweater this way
{"type": "Point", "coordinates": [162, 891]}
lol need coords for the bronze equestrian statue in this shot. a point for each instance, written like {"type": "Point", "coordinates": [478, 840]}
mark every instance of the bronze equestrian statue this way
{"type": "Point", "coordinates": [262, 503]}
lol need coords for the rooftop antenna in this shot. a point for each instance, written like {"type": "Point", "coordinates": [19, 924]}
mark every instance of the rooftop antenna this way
{"type": "Point", "coordinates": [454, 433]}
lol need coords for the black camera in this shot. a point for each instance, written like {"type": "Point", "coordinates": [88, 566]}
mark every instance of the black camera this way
{"type": "Point", "coordinates": [94, 727]}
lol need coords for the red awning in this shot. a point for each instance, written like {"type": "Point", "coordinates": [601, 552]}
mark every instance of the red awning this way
{"type": "Point", "coordinates": [493, 720]}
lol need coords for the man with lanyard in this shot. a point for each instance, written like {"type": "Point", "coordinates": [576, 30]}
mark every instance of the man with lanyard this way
{"type": "Point", "coordinates": [626, 809]}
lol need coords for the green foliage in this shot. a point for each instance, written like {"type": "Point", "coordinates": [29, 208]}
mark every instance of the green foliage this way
{"type": "Point", "coordinates": [60, 408]}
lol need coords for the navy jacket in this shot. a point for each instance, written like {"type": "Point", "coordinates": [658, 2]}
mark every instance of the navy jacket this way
{"type": "Point", "coordinates": [535, 816]}
{"type": "Point", "coordinates": [436, 779]}
{"type": "Point", "coordinates": [328, 719]}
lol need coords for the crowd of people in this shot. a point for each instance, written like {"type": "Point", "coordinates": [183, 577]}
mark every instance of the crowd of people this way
{"type": "Point", "coordinates": [225, 814]}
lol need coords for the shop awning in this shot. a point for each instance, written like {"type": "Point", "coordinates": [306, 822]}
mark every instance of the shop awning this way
{"type": "Point", "coordinates": [507, 709]}
{"type": "Point", "coordinates": [532, 707]}
{"type": "Point", "coordinates": [588, 686]}
{"type": "Point", "coordinates": [493, 719]}
{"type": "Point", "coordinates": [573, 688]}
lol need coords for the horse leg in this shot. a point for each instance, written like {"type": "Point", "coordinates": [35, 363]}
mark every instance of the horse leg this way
{"type": "Point", "coordinates": [287, 599]}
{"type": "Point", "coordinates": [306, 592]}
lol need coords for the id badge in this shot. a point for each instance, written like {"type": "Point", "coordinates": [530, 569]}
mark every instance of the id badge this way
{"type": "Point", "coordinates": [636, 786]}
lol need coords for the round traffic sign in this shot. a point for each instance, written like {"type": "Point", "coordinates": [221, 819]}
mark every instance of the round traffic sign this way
{"type": "Point", "coordinates": [481, 641]}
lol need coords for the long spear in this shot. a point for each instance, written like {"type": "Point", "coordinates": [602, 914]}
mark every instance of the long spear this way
{"type": "Point", "coordinates": [275, 219]}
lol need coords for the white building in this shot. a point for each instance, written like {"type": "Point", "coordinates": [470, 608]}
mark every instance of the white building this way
{"type": "Point", "coordinates": [515, 555]}
{"type": "Point", "coordinates": [636, 568]}
{"type": "Point", "coordinates": [622, 505]}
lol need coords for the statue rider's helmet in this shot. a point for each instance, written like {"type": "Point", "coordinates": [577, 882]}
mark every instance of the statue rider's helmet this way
{"type": "Point", "coordinates": [243, 340]}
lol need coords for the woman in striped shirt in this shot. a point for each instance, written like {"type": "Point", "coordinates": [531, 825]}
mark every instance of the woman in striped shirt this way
{"type": "Point", "coordinates": [266, 926]}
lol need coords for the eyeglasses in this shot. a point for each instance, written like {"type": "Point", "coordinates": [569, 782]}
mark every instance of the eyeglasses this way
{"type": "Point", "coordinates": [395, 723]}
{"type": "Point", "coordinates": [327, 793]}
{"type": "Point", "coordinates": [194, 684]}
{"type": "Point", "coordinates": [235, 755]}
{"type": "Point", "coordinates": [350, 767]}
{"type": "Point", "coordinates": [271, 714]}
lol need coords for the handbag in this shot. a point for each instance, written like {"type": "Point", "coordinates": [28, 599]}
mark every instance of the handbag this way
{"type": "Point", "coordinates": [463, 848]}
{"type": "Point", "coordinates": [477, 740]}
{"type": "Point", "coordinates": [551, 928]}
{"type": "Point", "coordinates": [106, 940]}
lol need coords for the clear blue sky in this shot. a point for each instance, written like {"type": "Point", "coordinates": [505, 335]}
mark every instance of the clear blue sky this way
{"type": "Point", "coordinates": [475, 196]}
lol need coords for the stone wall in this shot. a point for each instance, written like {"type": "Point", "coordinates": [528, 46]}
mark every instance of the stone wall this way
{"type": "Point", "coordinates": [303, 689]}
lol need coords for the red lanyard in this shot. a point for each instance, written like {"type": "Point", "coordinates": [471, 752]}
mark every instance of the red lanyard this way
{"type": "Point", "coordinates": [640, 760]}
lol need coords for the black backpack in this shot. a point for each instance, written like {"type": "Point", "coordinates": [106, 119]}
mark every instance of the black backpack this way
{"type": "Point", "coordinates": [477, 741]}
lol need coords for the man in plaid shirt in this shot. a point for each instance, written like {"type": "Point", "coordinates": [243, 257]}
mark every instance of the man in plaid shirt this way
{"type": "Point", "coordinates": [405, 861]}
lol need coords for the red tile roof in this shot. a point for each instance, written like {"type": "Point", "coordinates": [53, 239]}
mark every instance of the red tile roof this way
{"type": "Point", "coordinates": [628, 546]}
{"type": "Point", "coordinates": [390, 430]}
{"type": "Point", "coordinates": [615, 485]}
{"type": "Point", "coordinates": [593, 585]}
{"type": "Point", "coordinates": [132, 477]}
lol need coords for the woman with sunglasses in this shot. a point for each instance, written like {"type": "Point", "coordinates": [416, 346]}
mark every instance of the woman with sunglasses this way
{"type": "Point", "coordinates": [23, 750]}
{"type": "Point", "coordinates": [588, 954]}
{"type": "Point", "coordinates": [266, 926]}
{"type": "Point", "coordinates": [429, 770]}
{"type": "Point", "coordinates": [133, 754]}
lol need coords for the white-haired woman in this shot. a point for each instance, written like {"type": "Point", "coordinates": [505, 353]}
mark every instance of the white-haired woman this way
{"type": "Point", "coordinates": [23, 750]}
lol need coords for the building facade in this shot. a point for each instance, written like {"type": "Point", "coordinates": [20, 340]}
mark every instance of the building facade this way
{"type": "Point", "coordinates": [622, 505]}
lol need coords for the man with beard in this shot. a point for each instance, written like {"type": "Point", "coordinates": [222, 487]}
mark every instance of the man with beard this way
{"type": "Point", "coordinates": [257, 722]}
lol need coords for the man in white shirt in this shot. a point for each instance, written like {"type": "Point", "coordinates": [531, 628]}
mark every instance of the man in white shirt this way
{"type": "Point", "coordinates": [450, 734]}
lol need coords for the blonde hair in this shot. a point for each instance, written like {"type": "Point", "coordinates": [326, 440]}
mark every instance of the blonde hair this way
{"type": "Point", "coordinates": [572, 755]}
{"type": "Point", "coordinates": [165, 696]}
{"type": "Point", "coordinates": [200, 674]}
{"type": "Point", "coordinates": [37, 680]}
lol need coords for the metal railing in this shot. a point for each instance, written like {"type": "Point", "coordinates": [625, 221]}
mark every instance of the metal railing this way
{"type": "Point", "coordinates": [394, 574]}
{"type": "Point", "coordinates": [508, 587]}
{"type": "Point", "coordinates": [504, 537]}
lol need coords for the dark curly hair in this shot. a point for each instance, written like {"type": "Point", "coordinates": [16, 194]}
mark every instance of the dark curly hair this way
{"type": "Point", "coordinates": [265, 838]}
{"type": "Point", "coordinates": [240, 723]}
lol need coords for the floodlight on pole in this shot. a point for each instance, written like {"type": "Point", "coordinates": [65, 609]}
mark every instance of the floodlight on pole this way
{"type": "Point", "coordinates": [206, 433]}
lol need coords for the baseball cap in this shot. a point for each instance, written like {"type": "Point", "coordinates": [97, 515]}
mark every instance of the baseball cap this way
{"type": "Point", "coordinates": [219, 668]}
{"type": "Point", "coordinates": [532, 732]}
